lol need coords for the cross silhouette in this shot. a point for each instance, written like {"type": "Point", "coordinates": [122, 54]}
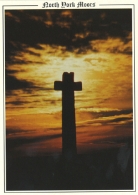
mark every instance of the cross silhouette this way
{"type": "Point", "coordinates": [68, 86]}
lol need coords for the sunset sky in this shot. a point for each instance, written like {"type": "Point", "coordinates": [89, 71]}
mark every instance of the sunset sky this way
{"type": "Point", "coordinates": [42, 44]}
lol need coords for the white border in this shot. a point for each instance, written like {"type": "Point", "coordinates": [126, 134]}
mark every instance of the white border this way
{"type": "Point", "coordinates": [4, 4]}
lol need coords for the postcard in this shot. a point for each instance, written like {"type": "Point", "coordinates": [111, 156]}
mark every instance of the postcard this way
{"type": "Point", "coordinates": [69, 96]}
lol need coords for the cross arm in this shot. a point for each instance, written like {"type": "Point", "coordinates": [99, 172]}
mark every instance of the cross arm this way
{"type": "Point", "coordinates": [77, 86]}
{"type": "Point", "coordinates": [58, 85]}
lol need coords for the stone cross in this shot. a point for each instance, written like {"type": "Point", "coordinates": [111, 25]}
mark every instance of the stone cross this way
{"type": "Point", "coordinates": [68, 86]}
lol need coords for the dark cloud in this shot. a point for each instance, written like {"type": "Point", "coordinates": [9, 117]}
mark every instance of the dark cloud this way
{"type": "Point", "coordinates": [121, 133]}
{"type": "Point", "coordinates": [114, 140]}
{"type": "Point", "coordinates": [18, 102]}
{"type": "Point", "coordinates": [119, 119]}
{"type": "Point", "coordinates": [116, 49]}
{"type": "Point", "coordinates": [17, 131]}
{"type": "Point", "coordinates": [115, 112]}
{"type": "Point", "coordinates": [110, 117]}
{"type": "Point", "coordinates": [109, 113]}
{"type": "Point", "coordinates": [34, 27]}
{"type": "Point", "coordinates": [13, 83]}
{"type": "Point", "coordinates": [114, 121]}
{"type": "Point", "coordinates": [33, 53]}
{"type": "Point", "coordinates": [127, 51]}
{"type": "Point", "coordinates": [18, 141]}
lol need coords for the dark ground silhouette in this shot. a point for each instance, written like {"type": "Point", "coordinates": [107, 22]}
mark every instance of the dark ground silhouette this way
{"type": "Point", "coordinates": [109, 169]}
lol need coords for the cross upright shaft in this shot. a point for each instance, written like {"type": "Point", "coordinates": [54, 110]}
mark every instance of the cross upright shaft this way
{"type": "Point", "coordinates": [68, 86]}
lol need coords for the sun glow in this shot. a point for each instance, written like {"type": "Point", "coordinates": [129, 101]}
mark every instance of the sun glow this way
{"type": "Point", "coordinates": [68, 41]}
{"type": "Point", "coordinates": [95, 70]}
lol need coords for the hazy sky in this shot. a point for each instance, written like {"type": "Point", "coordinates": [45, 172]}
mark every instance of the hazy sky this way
{"type": "Point", "coordinates": [42, 44]}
